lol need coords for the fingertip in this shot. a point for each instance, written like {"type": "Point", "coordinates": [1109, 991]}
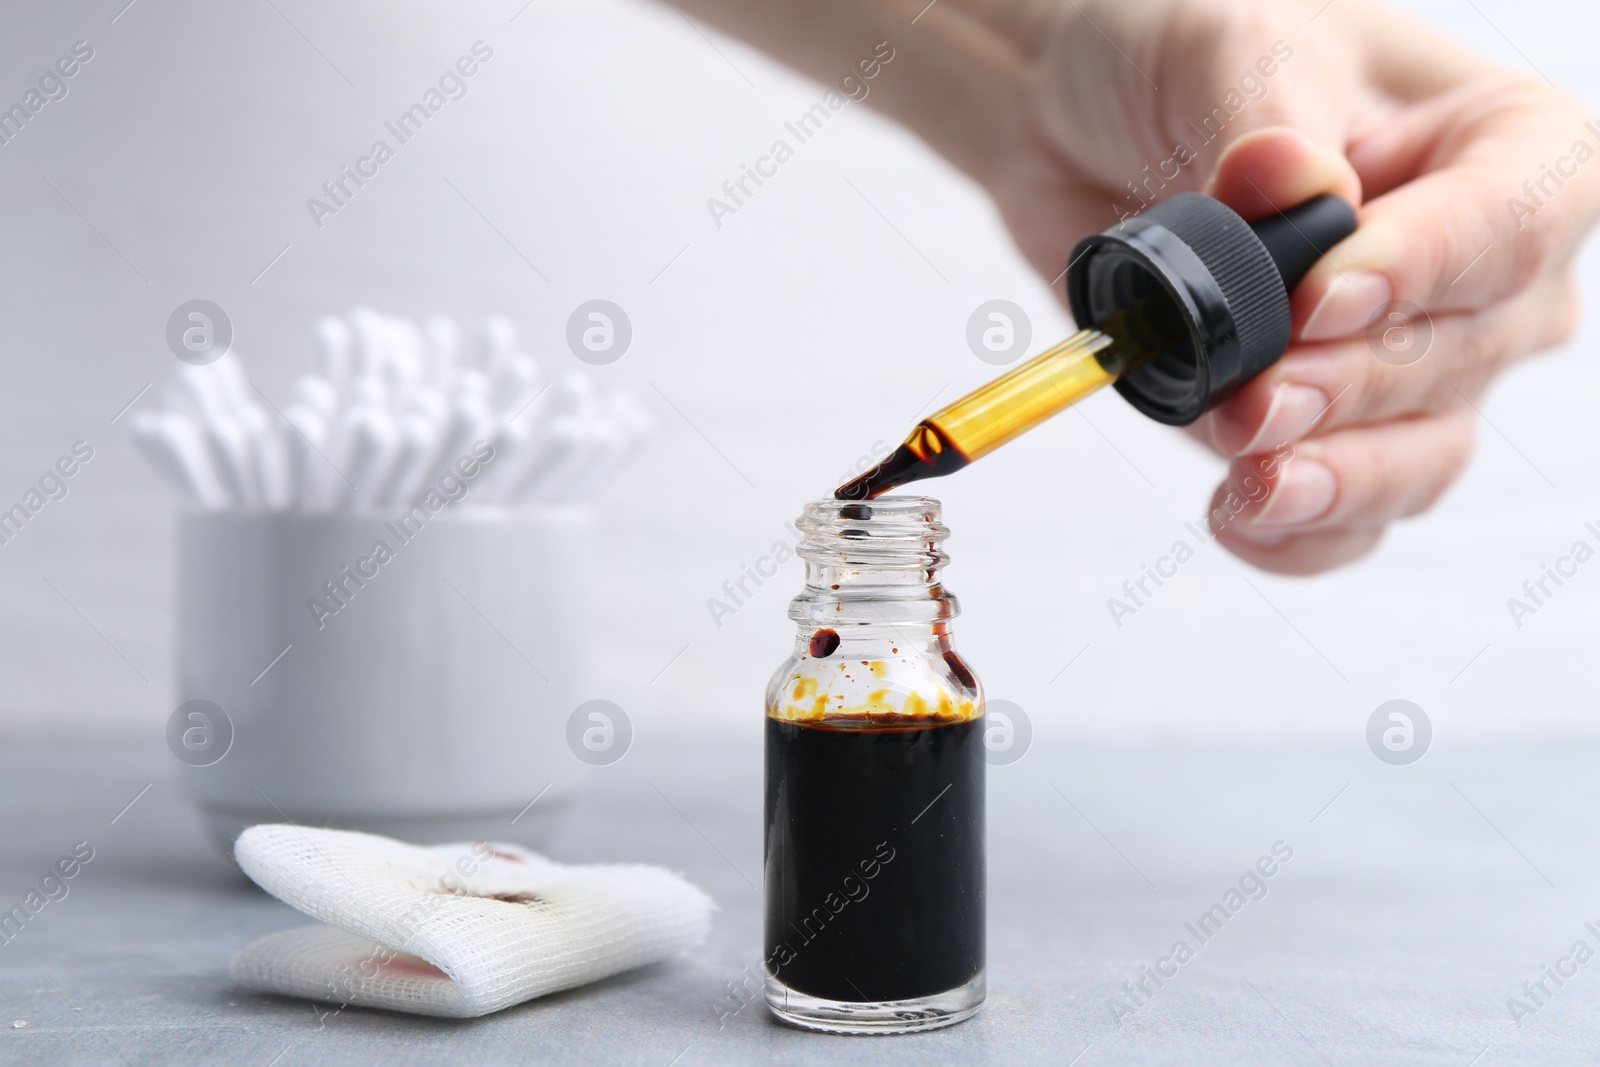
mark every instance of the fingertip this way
{"type": "Point", "coordinates": [1276, 167]}
{"type": "Point", "coordinates": [1346, 290]}
{"type": "Point", "coordinates": [1237, 421]}
{"type": "Point", "coordinates": [1303, 555]}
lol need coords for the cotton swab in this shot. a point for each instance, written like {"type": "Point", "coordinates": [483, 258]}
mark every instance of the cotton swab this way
{"type": "Point", "coordinates": [373, 442]}
{"type": "Point", "coordinates": [232, 387]}
{"type": "Point", "coordinates": [470, 420]}
{"type": "Point", "coordinates": [367, 391]}
{"type": "Point", "coordinates": [426, 403]}
{"type": "Point", "coordinates": [470, 381]}
{"type": "Point", "coordinates": [317, 393]}
{"type": "Point", "coordinates": [162, 453]}
{"type": "Point", "coordinates": [343, 436]}
{"type": "Point", "coordinates": [417, 458]}
{"type": "Point", "coordinates": [514, 445]}
{"type": "Point", "coordinates": [444, 350]}
{"type": "Point", "coordinates": [389, 408]}
{"type": "Point", "coordinates": [308, 469]}
{"type": "Point", "coordinates": [331, 348]}
{"type": "Point", "coordinates": [235, 462]}
{"type": "Point", "coordinates": [200, 392]}
{"type": "Point", "coordinates": [173, 444]}
{"type": "Point", "coordinates": [409, 356]}
{"type": "Point", "coordinates": [512, 384]}
{"type": "Point", "coordinates": [271, 458]}
{"type": "Point", "coordinates": [498, 342]}
{"type": "Point", "coordinates": [371, 343]}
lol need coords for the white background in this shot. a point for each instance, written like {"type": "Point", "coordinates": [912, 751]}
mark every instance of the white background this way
{"type": "Point", "coordinates": [793, 338]}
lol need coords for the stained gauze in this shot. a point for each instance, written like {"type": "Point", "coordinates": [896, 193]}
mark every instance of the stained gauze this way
{"type": "Point", "coordinates": [459, 930]}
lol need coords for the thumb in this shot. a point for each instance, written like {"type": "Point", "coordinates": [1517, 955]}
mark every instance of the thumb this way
{"type": "Point", "coordinates": [1272, 168]}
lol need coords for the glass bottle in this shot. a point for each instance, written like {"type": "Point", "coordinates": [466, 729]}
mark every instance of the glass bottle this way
{"type": "Point", "coordinates": [874, 849]}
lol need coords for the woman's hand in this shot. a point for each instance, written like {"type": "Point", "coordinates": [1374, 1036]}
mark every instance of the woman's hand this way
{"type": "Point", "coordinates": [1475, 186]}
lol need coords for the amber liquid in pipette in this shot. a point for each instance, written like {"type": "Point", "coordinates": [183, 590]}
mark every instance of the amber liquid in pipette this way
{"type": "Point", "coordinates": [1022, 398]}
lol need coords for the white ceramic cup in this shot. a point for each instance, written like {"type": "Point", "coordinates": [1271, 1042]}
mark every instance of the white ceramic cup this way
{"type": "Point", "coordinates": [428, 701]}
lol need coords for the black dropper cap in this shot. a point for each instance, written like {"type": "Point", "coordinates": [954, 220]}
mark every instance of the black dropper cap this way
{"type": "Point", "coordinates": [1229, 279]}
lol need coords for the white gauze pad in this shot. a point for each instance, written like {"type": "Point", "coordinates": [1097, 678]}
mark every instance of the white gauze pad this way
{"type": "Point", "coordinates": [458, 930]}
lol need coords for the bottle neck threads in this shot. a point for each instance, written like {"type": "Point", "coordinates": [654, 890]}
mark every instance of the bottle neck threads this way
{"type": "Point", "coordinates": [873, 563]}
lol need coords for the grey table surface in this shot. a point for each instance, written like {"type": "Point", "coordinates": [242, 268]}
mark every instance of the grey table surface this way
{"type": "Point", "coordinates": [1418, 900]}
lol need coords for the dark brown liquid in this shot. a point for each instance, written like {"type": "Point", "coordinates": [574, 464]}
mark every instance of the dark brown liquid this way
{"type": "Point", "coordinates": [959, 668]}
{"type": "Point", "coordinates": [822, 643]}
{"type": "Point", "coordinates": [874, 857]}
{"type": "Point", "coordinates": [927, 453]}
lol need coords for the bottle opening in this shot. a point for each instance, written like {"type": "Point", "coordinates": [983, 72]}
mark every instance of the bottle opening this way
{"type": "Point", "coordinates": [857, 541]}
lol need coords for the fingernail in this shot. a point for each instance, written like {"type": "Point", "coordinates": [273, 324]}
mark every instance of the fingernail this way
{"type": "Point", "coordinates": [1305, 491]}
{"type": "Point", "coordinates": [1349, 305]}
{"type": "Point", "coordinates": [1294, 410]}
